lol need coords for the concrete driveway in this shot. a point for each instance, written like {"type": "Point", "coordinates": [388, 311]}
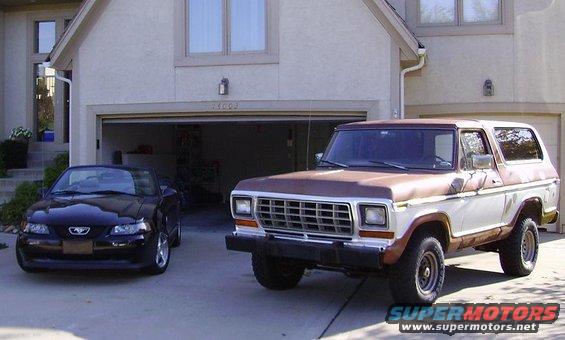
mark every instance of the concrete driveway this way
{"type": "Point", "coordinates": [210, 293]}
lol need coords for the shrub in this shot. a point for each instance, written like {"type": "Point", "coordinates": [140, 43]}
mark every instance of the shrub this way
{"type": "Point", "coordinates": [13, 211]}
{"type": "Point", "coordinates": [14, 154]}
{"type": "Point", "coordinates": [51, 173]}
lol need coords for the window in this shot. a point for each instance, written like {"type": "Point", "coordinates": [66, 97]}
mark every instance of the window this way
{"type": "Point", "coordinates": [472, 143]}
{"type": "Point", "coordinates": [225, 32]}
{"type": "Point", "coordinates": [44, 103]}
{"type": "Point", "coordinates": [518, 144]}
{"type": "Point", "coordinates": [453, 17]}
{"type": "Point", "coordinates": [45, 35]}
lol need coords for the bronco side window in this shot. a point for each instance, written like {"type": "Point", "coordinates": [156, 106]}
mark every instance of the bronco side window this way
{"type": "Point", "coordinates": [471, 143]}
{"type": "Point", "coordinates": [518, 144]}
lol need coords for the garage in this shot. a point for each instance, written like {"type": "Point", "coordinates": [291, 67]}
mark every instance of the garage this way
{"type": "Point", "coordinates": [208, 157]}
{"type": "Point", "coordinates": [547, 125]}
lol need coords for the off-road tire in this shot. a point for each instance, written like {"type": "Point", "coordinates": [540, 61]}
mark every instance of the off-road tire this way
{"type": "Point", "coordinates": [276, 273]}
{"type": "Point", "coordinates": [404, 276]}
{"type": "Point", "coordinates": [510, 250]}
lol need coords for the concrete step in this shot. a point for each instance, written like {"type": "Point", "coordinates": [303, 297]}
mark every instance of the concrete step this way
{"type": "Point", "coordinates": [6, 196]}
{"type": "Point", "coordinates": [39, 164]}
{"type": "Point", "coordinates": [48, 147]}
{"type": "Point", "coordinates": [42, 155]}
{"type": "Point", "coordinates": [30, 174]}
{"type": "Point", "coordinates": [10, 184]}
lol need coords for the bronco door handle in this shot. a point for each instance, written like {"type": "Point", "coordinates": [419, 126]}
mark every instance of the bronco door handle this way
{"type": "Point", "coordinates": [497, 182]}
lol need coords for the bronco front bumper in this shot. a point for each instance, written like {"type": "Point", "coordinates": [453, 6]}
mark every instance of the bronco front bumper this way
{"type": "Point", "coordinates": [333, 254]}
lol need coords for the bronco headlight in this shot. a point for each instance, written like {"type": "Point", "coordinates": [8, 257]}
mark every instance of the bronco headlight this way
{"type": "Point", "coordinates": [242, 206]}
{"type": "Point", "coordinates": [36, 228]}
{"type": "Point", "coordinates": [139, 227]}
{"type": "Point", "coordinates": [373, 216]}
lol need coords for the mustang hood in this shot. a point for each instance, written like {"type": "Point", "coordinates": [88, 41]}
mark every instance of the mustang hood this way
{"type": "Point", "coordinates": [92, 210]}
{"type": "Point", "coordinates": [396, 186]}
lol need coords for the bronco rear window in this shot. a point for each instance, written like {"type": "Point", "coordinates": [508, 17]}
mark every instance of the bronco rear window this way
{"type": "Point", "coordinates": [518, 144]}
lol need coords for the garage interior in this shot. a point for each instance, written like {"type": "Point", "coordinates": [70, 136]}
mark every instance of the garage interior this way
{"type": "Point", "coordinates": [208, 159]}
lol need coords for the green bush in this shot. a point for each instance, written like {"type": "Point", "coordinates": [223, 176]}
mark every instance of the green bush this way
{"type": "Point", "coordinates": [13, 211]}
{"type": "Point", "coordinates": [14, 154]}
{"type": "Point", "coordinates": [61, 163]}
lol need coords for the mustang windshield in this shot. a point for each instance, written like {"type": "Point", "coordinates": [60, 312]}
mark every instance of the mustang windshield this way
{"type": "Point", "coordinates": [397, 148]}
{"type": "Point", "coordinates": [102, 180]}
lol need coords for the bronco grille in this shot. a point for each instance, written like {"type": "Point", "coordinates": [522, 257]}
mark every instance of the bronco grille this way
{"type": "Point", "coordinates": [305, 216]}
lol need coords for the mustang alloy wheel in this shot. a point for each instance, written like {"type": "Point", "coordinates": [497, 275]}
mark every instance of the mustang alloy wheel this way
{"type": "Point", "coordinates": [162, 255]}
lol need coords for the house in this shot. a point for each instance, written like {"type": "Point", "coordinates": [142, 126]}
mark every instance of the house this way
{"type": "Point", "coordinates": [218, 90]}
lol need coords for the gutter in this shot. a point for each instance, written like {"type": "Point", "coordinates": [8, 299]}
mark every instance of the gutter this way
{"type": "Point", "coordinates": [422, 55]}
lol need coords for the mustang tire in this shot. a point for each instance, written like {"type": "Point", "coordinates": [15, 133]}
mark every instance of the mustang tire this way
{"type": "Point", "coordinates": [417, 278]}
{"type": "Point", "coordinates": [24, 267]}
{"type": "Point", "coordinates": [275, 273]}
{"type": "Point", "coordinates": [519, 252]}
{"type": "Point", "coordinates": [178, 238]}
{"type": "Point", "coordinates": [161, 255]}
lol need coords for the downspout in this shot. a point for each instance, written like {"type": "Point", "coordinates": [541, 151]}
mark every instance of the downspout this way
{"type": "Point", "coordinates": [70, 83]}
{"type": "Point", "coordinates": [421, 64]}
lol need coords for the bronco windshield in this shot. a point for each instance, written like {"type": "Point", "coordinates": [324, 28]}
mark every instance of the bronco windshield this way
{"type": "Point", "coordinates": [400, 148]}
{"type": "Point", "coordinates": [105, 180]}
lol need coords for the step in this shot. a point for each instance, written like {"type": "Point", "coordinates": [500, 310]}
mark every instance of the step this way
{"type": "Point", "coordinates": [39, 164]}
{"type": "Point", "coordinates": [30, 174]}
{"type": "Point", "coordinates": [10, 184]}
{"type": "Point", "coordinates": [5, 197]}
{"type": "Point", "coordinates": [43, 155]}
{"type": "Point", "coordinates": [49, 147]}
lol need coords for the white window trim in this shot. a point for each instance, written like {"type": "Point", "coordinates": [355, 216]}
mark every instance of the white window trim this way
{"type": "Point", "coordinates": [504, 25]}
{"type": "Point", "coordinates": [269, 56]}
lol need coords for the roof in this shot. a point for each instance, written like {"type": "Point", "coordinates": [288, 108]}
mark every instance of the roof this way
{"type": "Point", "coordinates": [381, 9]}
{"type": "Point", "coordinates": [437, 123]}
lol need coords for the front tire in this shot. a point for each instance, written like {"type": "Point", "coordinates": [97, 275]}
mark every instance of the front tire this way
{"type": "Point", "coordinates": [161, 255]}
{"type": "Point", "coordinates": [23, 266]}
{"type": "Point", "coordinates": [417, 278]}
{"type": "Point", "coordinates": [276, 273]}
{"type": "Point", "coordinates": [519, 252]}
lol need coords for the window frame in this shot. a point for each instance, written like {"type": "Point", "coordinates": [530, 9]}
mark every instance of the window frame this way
{"type": "Point", "coordinates": [520, 161]}
{"type": "Point", "coordinates": [226, 57]}
{"type": "Point", "coordinates": [504, 24]}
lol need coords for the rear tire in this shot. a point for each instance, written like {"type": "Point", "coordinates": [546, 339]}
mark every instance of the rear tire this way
{"type": "Point", "coordinates": [178, 238]}
{"type": "Point", "coordinates": [519, 252]}
{"type": "Point", "coordinates": [161, 255]}
{"type": "Point", "coordinates": [417, 278]}
{"type": "Point", "coordinates": [276, 273]}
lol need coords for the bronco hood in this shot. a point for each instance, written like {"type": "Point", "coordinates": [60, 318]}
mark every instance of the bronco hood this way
{"type": "Point", "coordinates": [393, 185]}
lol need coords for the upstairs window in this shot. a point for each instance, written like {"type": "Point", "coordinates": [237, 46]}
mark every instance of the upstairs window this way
{"type": "Point", "coordinates": [459, 17]}
{"type": "Point", "coordinates": [220, 32]}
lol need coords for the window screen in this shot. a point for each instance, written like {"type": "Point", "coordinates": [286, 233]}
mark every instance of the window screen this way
{"type": "Point", "coordinates": [518, 144]}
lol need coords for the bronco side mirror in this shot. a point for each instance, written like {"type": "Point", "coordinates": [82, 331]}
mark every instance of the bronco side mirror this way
{"type": "Point", "coordinates": [318, 157]}
{"type": "Point", "coordinates": [482, 162]}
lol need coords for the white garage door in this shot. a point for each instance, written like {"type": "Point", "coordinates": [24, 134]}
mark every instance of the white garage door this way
{"type": "Point", "coordinates": [548, 127]}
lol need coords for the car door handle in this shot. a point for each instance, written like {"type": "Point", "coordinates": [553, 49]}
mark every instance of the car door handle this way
{"type": "Point", "coordinates": [497, 182]}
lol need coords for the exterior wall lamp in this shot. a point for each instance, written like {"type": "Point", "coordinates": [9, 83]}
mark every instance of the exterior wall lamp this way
{"type": "Point", "coordinates": [224, 88]}
{"type": "Point", "coordinates": [488, 88]}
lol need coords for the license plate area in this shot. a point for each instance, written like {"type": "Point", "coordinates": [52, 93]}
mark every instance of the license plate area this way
{"type": "Point", "coordinates": [78, 247]}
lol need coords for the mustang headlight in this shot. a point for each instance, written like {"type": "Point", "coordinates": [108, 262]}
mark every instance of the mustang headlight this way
{"type": "Point", "coordinates": [35, 228]}
{"type": "Point", "coordinates": [373, 216]}
{"type": "Point", "coordinates": [242, 206]}
{"type": "Point", "coordinates": [139, 227]}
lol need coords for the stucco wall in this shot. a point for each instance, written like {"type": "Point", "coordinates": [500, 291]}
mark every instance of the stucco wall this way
{"type": "Point", "coordinates": [328, 50]}
{"type": "Point", "coordinates": [526, 66]}
{"type": "Point", "coordinates": [2, 49]}
{"type": "Point", "coordinates": [15, 76]}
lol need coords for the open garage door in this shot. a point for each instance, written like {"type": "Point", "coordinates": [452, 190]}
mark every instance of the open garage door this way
{"type": "Point", "coordinates": [211, 156]}
{"type": "Point", "coordinates": [547, 125]}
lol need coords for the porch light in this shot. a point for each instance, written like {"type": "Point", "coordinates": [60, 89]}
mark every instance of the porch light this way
{"type": "Point", "coordinates": [224, 88]}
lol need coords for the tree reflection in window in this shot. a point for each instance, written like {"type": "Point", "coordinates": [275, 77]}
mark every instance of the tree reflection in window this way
{"type": "Point", "coordinates": [518, 144]}
{"type": "Point", "coordinates": [44, 104]}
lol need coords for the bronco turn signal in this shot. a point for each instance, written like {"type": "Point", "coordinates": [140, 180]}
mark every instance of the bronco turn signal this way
{"type": "Point", "coordinates": [388, 235]}
{"type": "Point", "coordinates": [246, 223]}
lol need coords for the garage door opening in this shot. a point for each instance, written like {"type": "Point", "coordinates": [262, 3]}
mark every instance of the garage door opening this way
{"type": "Point", "coordinates": [206, 161]}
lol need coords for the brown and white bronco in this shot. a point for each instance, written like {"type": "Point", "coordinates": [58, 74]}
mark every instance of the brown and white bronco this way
{"type": "Point", "coordinates": [393, 196]}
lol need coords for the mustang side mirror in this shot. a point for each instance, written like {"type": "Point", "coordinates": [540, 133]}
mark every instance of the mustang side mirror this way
{"type": "Point", "coordinates": [42, 192]}
{"type": "Point", "coordinates": [482, 162]}
{"type": "Point", "coordinates": [168, 192]}
{"type": "Point", "coordinates": [318, 157]}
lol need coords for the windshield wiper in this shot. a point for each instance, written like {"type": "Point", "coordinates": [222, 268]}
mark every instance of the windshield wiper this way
{"type": "Point", "coordinates": [341, 165]}
{"type": "Point", "coordinates": [68, 192]}
{"type": "Point", "coordinates": [112, 192]}
{"type": "Point", "coordinates": [390, 165]}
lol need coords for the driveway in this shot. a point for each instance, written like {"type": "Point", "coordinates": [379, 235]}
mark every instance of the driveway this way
{"type": "Point", "coordinates": [210, 293]}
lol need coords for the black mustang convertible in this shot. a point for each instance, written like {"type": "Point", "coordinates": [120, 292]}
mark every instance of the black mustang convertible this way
{"type": "Point", "coordinates": [101, 217]}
